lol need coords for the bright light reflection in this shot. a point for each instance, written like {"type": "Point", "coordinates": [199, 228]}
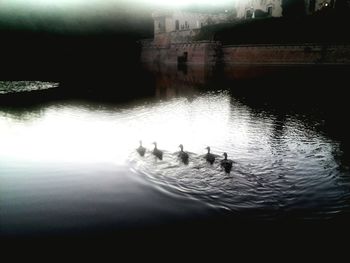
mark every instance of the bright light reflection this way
{"type": "Point", "coordinates": [81, 3]}
{"type": "Point", "coordinates": [187, 2]}
{"type": "Point", "coordinates": [79, 135]}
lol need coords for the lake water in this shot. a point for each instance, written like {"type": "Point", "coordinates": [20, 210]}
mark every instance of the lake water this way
{"type": "Point", "coordinates": [71, 165]}
{"type": "Point", "coordinates": [24, 86]}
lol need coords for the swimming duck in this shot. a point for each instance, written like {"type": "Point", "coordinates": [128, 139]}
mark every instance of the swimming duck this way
{"type": "Point", "coordinates": [226, 164]}
{"type": "Point", "coordinates": [209, 156]}
{"type": "Point", "coordinates": [158, 153]}
{"type": "Point", "coordinates": [141, 150]}
{"type": "Point", "coordinates": [183, 155]}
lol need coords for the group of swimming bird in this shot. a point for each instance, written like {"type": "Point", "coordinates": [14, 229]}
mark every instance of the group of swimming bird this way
{"type": "Point", "coordinates": [226, 164]}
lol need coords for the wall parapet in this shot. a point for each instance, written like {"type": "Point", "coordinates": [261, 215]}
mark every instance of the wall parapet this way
{"type": "Point", "coordinates": [212, 52]}
{"type": "Point", "coordinates": [194, 52]}
{"type": "Point", "coordinates": [292, 54]}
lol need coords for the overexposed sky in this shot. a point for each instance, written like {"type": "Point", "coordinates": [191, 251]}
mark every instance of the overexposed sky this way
{"type": "Point", "coordinates": [184, 2]}
{"type": "Point", "coordinates": [82, 3]}
{"type": "Point", "coordinates": [15, 10]}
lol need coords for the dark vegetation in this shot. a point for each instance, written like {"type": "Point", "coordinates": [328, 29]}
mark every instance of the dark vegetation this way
{"type": "Point", "coordinates": [215, 236]}
{"type": "Point", "coordinates": [326, 26]}
{"type": "Point", "coordinates": [68, 49]}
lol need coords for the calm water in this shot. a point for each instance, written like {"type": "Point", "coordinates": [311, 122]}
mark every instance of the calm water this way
{"type": "Point", "coordinates": [72, 165]}
{"type": "Point", "coordinates": [24, 86]}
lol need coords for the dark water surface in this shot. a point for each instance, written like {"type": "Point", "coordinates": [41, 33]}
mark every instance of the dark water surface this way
{"type": "Point", "coordinates": [71, 166]}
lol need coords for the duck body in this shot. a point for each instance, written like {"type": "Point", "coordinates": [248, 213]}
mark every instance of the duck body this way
{"type": "Point", "coordinates": [226, 164]}
{"type": "Point", "coordinates": [183, 155]}
{"type": "Point", "coordinates": [141, 150]}
{"type": "Point", "coordinates": [156, 152]}
{"type": "Point", "coordinates": [209, 156]}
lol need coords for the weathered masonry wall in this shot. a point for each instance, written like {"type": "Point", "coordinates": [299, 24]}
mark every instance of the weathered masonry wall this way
{"type": "Point", "coordinates": [286, 54]}
{"type": "Point", "coordinates": [212, 53]}
{"type": "Point", "coordinates": [195, 52]}
{"type": "Point", "coordinates": [175, 37]}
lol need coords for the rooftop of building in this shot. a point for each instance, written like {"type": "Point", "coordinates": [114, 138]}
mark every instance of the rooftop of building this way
{"type": "Point", "coordinates": [197, 9]}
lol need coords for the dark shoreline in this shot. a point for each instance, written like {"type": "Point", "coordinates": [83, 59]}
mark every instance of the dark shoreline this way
{"type": "Point", "coordinates": [214, 233]}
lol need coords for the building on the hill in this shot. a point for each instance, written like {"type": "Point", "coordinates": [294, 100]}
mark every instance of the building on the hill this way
{"type": "Point", "coordinates": [181, 26]}
{"type": "Point", "coordinates": [274, 8]}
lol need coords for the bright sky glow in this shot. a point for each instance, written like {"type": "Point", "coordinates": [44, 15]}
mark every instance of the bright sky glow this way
{"type": "Point", "coordinates": [187, 2]}
{"type": "Point", "coordinates": [12, 8]}
{"type": "Point", "coordinates": [82, 3]}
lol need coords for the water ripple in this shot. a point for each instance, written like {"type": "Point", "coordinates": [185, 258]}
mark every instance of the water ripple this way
{"type": "Point", "coordinates": [279, 164]}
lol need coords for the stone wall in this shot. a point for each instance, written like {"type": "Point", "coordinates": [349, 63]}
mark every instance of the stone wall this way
{"type": "Point", "coordinates": [175, 37]}
{"type": "Point", "coordinates": [212, 53]}
{"type": "Point", "coordinates": [180, 27]}
{"type": "Point", "coordinates": [197, 53]}
{"type": "Point", "coordinates": [168, 21]}
{"type": "Point", "coordinates": [286, 54]}
{"type": "Point", "coordinates": [252, 5]}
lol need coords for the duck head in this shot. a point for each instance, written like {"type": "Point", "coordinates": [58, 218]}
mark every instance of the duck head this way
{"type": "Point", "coordinates": [208, 148]}
{"type": "Point", "coordinates": [225, 155]}
{"type": "Point", "coordinates": [181, 147]}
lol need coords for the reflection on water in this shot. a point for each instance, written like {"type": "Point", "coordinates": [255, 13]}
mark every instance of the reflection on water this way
{"type": "Point", "coordinates": [280, 165]}
{"type": "Point", "coordinates": [24, 86]}
{"type": "Point", "coordinates": [283, 164]}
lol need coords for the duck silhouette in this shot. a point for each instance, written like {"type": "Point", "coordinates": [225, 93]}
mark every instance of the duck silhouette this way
{"type": "Point", "coordinates": [156, 152]}
{"type": "Point", "coordinates": [209, 156]}
{"type": "Point", "coordinates": [226, 164]}
{"type": "Point", "coordinates": [141, 150]}
{"type": "Point", "coordinates": [183, 155]}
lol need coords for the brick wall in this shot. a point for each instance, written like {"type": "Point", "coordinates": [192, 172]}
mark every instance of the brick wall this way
{"type": "Point", "coordinates": [197, 53]}
{"type": "Point", "coordinates": [287, 54]}
{"type": "Point", "coordinates": [212, 52]}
